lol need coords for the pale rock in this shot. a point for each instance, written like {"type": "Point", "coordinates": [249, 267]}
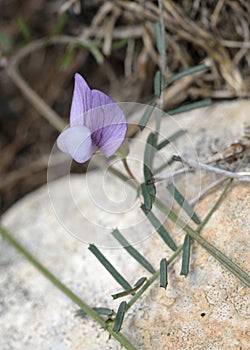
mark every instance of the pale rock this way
{"type": "Point", "coordinates": [209, 309]}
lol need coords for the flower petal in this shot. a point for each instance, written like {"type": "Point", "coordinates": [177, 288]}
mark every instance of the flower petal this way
{"type": "Point", "coordinates": [107, 124]}
{"type": "Point", "coordinates": [77, 142]}
{"type": "Point", "coordinates": [81, 101]}
{"type": "Point", "coordinates": [112, 138]}
{"type": "Point", "coordinates": [97, 118]}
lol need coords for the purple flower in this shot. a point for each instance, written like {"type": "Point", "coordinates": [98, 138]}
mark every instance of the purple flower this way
{"type": "Point", "coordinates": [96, 122]}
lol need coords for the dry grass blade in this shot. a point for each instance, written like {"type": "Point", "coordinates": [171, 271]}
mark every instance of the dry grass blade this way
{"type": "Point", "coordinates": [123, 32]}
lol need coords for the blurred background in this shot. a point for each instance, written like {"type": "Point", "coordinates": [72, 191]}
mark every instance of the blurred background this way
{"type": "Point", "coordinates": [113, 45]}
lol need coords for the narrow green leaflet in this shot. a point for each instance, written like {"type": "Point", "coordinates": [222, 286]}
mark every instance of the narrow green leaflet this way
{"type": "Point", "coordinates": [170, 139]}
{"type": "Point", "coordinates": [159, 228]}
{"type": "Point", "coordinates": [186, 72]}
{"type": "Point", "coordinates": [120, 316]}
{"type": "Point", "coordinates": [100, 310]}
{"type": "Point", "coordinates": [185, 256]}
{"type": "Point", "coordinates": [163, 273]}
{"type": "Point", "coordinates": [132, 251]}
{"type": "Point", "coordinates": [157, 84]}
{"type": "Point", "coordinates": [146, 115]}
{"type": "Point", "coordinates": [150, 187]}
{"type": "Point", "coordinates": [109, 267]}
{"type": "Point", "coordinates": [188, 107]}
{"type": "Point", "coordinates": [148, 160]}
{"type": "Point", "coordinates": [183, 203]}
{"type": "Point", "coordinates": [148, 191]}
{"type": "Point", "coordinates": [149, 152]}
{"type": "Point", "coordinates": [140, 282]}
{"type": "Point", "coordinates": [148, 199]}
{"type": "Point", "coordinates": [137, 286]}
{"type": "Point", "coordinates": [158, 37]}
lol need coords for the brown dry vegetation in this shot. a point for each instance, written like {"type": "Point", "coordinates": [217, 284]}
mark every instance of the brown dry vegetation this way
{"type": "Point", "coordinates": [112, 43]}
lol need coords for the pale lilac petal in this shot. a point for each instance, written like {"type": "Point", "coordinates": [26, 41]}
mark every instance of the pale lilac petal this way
{"type": "Point", "coordinates": [96, 121]}
{"type": "Point", "coordinates": [77, 142]}
{"type": "Point", "coordinates": [112, 138]}
{"type": "Point", "coordinates": [81, 101]}
{"type": "Point", "coordinates": [98, 118]}
{"type": "Point", "coordinates": [108, 123]}
{"type": "Point", "coordinates": [99, 98]}
{"type": "Point", "coordinates": [61, 141]}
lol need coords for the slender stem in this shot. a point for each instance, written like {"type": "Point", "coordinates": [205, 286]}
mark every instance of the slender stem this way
{"type": "Point", "coordinates": [179, 249]}
{"type": "Point", "coordinates": [128, 170]}
{"type": "Point", "coordinates": [217, 254]}
{"type": "Point", "coordinates": [208, 188]}
{"type": "Point", "coordinates": [87, 309]}
{"type": "Point", "coordinates": [118, 174]}
{"type": "Point", "coordinates": [215, 207]}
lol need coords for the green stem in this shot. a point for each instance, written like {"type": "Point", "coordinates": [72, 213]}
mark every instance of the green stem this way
{"type": "Point", "coordinates": [128, 170]}
{"type": "Point", "coordinates": [87, 309]}
{"type": "Point", "coordinates": [217, 254]}
{"type": "Point", "coordinates": [214, 208]}
{"type": "Point", "coordinates": [213, 251]}
{"type": "Point", "coordinates": [118, 174]}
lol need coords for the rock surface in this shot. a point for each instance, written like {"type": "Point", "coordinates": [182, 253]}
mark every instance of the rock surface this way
{"type": "Point", "coordinates": [210, 309]}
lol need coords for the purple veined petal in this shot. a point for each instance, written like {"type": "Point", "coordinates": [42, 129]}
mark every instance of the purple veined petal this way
{"type": "Point", "coordinates": [77, 142]}
{"type": "Point", "coordinates": [81, 101]}
{"type": "Point", "coordinates": [99, 98]}
{"type": "Point", "coordinates": [112, 138]}
{"type": "Point", "coordinates": [99, 113]}
{"type": "Point", "coordinates": [108, 123]}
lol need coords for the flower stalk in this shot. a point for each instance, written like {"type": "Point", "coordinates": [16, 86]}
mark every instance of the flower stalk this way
{"type": "Point", "coordinates": [65, 290]}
